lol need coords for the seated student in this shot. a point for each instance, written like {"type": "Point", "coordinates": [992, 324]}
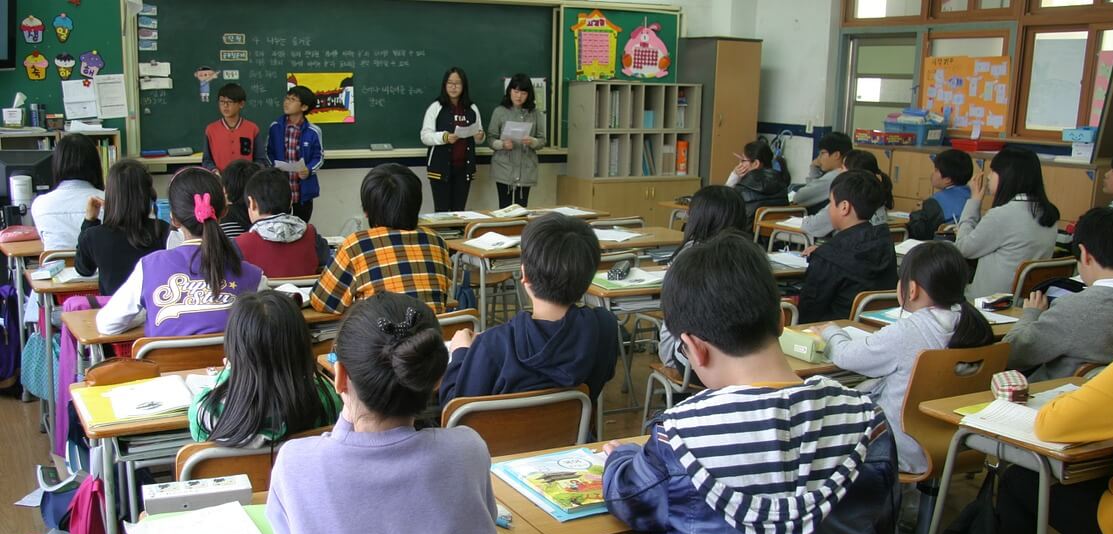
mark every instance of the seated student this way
{"type": "Point", "coordinates": [1053, 341]}
{"type": "Point", "coordinates": [760, 184]}
{"type": "Point", "coordinates": [279, 243]}
{"type": "Point", "coordinates": [1020, 226]}
{"type": "Point", "coordinates": [128, 233]}
{"type": "Point", "coordinates": [833, 148]}
{"type": "Point", "coordinates": [759, 450]}
{"type": "Point", "coordinates": [393, 255]}
{"type": "Point", "coordinates": [558, 344]}
{"type": "Point", "coordinates": [270, 387]}
{"type": "Point", "coordinates": [713, 210]}
{"type": "Point", "coordinates": [374, 468]}
{"type": "Point", "coordinates": [953, 169]}
{"type": "Point", "coordinates": [932, 279]}
{"type": "Point", "coordinates": [187, 290]}
{"type": "Point", "coordinates": [819, 225]}
{"type": "Point", "coordinates": [235, 176]}
{"type": "Point", "coordinates": [1076, 417]}
{"type": "Point", "coordinates": [77, 176]}
{"type": "Point", "coordinates": [858, 258]}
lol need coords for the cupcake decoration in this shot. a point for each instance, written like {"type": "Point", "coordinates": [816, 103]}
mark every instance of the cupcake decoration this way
{"type": "Point", "coordinates": [36, 64]}
{"type": "Point", "coordinates": [63, 25]}
{"type": "Point", "coordinates": [91, 63]}
{"type": "Point", "coordinates": [32, 29]}
{"type": "Point", "coordinates": [65, 64]}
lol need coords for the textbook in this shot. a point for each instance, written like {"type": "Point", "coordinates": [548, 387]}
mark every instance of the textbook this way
{"type": "Point", "coordinates": [494, 241]}
{"type": "Point", "coordinates": [567, 485]}
{"type": "Point", "coordinates": [636, 278]}
{"type": "Point", "coordinates": [69, 275]}
{"type": "Point", "coordinates": [1011, 420]}
{"type": "Point", "coordinates": [141, 400]}
{"type": "Point", "coordinates": [510, 211]}
{"type": "Point", "coordinates": [48, 270]}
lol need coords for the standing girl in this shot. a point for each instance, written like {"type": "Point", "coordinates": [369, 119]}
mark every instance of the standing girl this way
{"type": "Point", "coordinates": [270, 386]}
{"type": "Point", "coordinates": [128, 232]}
{"type": "Point", "coordinates": [514, 164]}
{"type": "Point", "coordinates": [1019, 227]}
{"type": "Point", "coordinates": [937, 316]}
{"type": "Point", "coordinates": [77, 177]}
{"type": "Point", "coordinates": [390, 358]}
{"type": "Point", "coordinates": [187, 290]}
{"type": "Point", "coordinates": [451, 159]}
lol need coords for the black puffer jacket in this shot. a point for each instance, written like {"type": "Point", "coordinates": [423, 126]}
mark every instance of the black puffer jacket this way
{"type": "Point", "coordinates": [760, 188]}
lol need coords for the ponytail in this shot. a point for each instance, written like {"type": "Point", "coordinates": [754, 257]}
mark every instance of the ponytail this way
{"type": "Point", "coordinates": [941, 271]}
{"type": "Point", "coordinates": [196, 201]}
{"type": "Point", "coordinates": [217, 256]}
{"type": "Point", "coordinates": [972, 329]}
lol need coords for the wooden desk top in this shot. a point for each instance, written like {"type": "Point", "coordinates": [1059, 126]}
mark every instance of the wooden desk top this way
{"type": "Point", "coordinates": [461, 222]}
{"type": "Point", "coordinates": [651, 237]}
{"type": "Point", "coordinates": [894, 222]}
{"type": "Point", "coordinates": [672, 204]}
{"type": "Point", "coordinates": [50, 287]}
{"type": "Point", "coordinates": [999, 330]}
{"type": "Point", "coordinates": [944, 410]}
{"type": "Point", "coordinates": [22, 249]}
{"type": "Point", "coordinates": [525, 511]}
{"type": "Point", "coordinates": [83, 325]}
{"type": "Point", "coordinates": [805, 369]}
{"type": "Point", "coordinates": [178, 422]}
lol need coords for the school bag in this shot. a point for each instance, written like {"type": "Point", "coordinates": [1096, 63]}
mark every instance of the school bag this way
{"type": "Point", "coordinates": [9, 345]}
{"type": "Point", "coordinates": [465, 295]}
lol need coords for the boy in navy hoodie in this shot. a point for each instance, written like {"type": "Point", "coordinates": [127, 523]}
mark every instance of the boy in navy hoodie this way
{"type": "Point", "coordinates": [291, 138]}
{"type": "Point", "coordinates": [953, 169]}
{"type": "Point", "coordinates": [558, 344]}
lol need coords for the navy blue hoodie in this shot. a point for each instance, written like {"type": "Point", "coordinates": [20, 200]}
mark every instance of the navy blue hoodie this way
{"type": "Point", "coordinates": [527, 355]}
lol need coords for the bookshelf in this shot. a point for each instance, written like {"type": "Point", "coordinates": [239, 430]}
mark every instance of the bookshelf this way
{"type": "Point", "coordinates": [632, 145]}
{"type": "Point", "coordinates": [28, 140]}
{"type": "Point", "coordinates": [108, 145]}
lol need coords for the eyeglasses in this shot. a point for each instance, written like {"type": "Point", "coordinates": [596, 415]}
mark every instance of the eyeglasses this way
{"type": "Point", "coordinates": [226, 102]}
{"type": "Point", "coordinates": [744, 160]}
{"type": "Point", "coordinates": [454, 84]}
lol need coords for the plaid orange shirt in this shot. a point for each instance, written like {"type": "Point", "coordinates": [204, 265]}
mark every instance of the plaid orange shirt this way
{"type": "Point", "coordinates": [414, 262]}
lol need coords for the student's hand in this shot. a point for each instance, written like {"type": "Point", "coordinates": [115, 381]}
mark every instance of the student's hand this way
{"type": "Point", "coordinates": [739, 170]}
{"type": "Point", "coordinates": [507, 144]}
{"type": "Point", "coordinates": [303, 174]}
{"type": "Point", "coordinates": [92, 208]}
{"type": "Point", "coordinates": [528, 140]}
{"type": "Point", "coordinates": [1036, 300]}
{"type": "Point", "coordinates": [463, 338]}
{"type": "Point", "coordinates": [808, 251]}
{"type": "Point", "coordinates": [977, 187]}
{"type": "Point", "coordinates": [450, 138]}
{"type": "Point", "coordinates": [479, 137]}
{"type": "Point", "coordinates": [610, 446]}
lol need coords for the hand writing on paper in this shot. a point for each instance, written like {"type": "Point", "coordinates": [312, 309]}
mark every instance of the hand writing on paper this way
{"type": "Point", "coordinates": [463, 338]}
{"type": "Point", "coordinates": [92, 208]}
{"type": "Point", "coordinates": [1036, 300]}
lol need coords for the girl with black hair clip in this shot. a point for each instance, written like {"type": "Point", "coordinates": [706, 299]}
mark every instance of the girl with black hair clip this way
{"type": "Point", "coordinates": [1019, 226]}
{"type": "Point", "coordinates": [374, 468]}
{"type": "Point", "coordinates": [935, 315]}
{"type": "Point", "coordinates": [451, 159]}
{"type": "Point", "coordinates": [112, 248]}
{"type": "Point", "coordinates": [514, 163]}
{"type": "Point", "coordinates": [270, 386]}
{"type": "Point", "coordinates": [187, 290]}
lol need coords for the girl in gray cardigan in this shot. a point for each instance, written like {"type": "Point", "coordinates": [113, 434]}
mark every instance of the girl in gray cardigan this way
{"type": "Point", "coordinates": [1019, 227]}
{"type": "Point", "coordinates": [514, 163]}
{"type": "Point", "coordinates": [935, 315]}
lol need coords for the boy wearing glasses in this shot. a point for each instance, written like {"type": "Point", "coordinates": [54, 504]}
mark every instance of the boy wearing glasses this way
{"type": "Point", "coordinates": [292, 138]}
{"type": "Point", "coordinates": [232, 137]}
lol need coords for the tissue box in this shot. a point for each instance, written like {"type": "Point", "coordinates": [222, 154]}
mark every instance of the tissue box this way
{"type": "Point", "coordinates": [13, 117]}
{"type": "Point", "coordinates": [1010, 386]}
{"type": "Point", "coordinates": [1087, 134]}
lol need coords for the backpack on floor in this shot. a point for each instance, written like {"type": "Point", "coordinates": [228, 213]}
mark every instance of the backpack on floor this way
{"type": "Point", "coordinates": [9, 344]}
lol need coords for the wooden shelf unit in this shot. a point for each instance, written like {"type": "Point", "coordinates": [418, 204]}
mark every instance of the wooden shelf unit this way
{"type": "Point", "coordinates": [622, 146]}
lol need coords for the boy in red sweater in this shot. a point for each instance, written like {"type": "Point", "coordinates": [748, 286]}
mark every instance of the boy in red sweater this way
{"type": "Point", "coordinates": [279, 243]}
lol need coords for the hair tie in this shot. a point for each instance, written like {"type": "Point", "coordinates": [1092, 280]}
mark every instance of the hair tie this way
{"type": "Point", "coordinates": [203, 208]}
{"type": "Point", "coordinates": [402, 330]}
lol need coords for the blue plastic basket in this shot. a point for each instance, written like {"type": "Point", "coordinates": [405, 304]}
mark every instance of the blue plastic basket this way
{"type": "Point", "coordinates": [926, 134]}
{"type": "Point", "coordinates": [162, 208]}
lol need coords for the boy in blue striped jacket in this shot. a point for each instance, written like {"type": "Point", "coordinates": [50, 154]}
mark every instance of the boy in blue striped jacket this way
{"type": "Point", "coordinates": [759, 450]}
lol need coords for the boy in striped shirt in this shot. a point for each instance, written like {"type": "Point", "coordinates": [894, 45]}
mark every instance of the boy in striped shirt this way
{"type": "Point", "coordinates": [759, 450]}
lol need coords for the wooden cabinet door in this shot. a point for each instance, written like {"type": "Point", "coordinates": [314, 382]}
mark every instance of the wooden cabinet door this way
{"type": "Point", "coordinates": [734, 115]}
{"type": "Point", "coordinates": [883, 155]}
{"type": "Point", "coordinates": [663, 192]}
{"type": "Point", "coordinates": [1071, 189]}
{"type": "Point", "coordinates": [623, 199]}
{"type": "Point", "coordinates": [911, 170]}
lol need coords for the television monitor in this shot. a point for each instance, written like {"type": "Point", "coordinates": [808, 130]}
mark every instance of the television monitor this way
{"type": "Point", "coordinates": [34, 163]}
{"type": "Point", "coordinates": [8, 30]}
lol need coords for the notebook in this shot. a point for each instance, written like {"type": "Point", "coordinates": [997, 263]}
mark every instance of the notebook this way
{"type": "Point", "coordinates": [494, 241]}
{"type": "Point", "coordinates": [1011, 420]}
{"type": "Point", "coordinates": [142, 400]}
{"type": "Point", "coordinates": [567, 484]}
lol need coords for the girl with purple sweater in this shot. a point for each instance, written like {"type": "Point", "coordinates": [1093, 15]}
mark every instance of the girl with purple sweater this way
{"type": "Point", "coordinates": [374, 472]}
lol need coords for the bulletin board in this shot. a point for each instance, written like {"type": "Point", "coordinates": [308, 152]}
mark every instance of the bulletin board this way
{"type": "Point", "coordinates": [974, 90]}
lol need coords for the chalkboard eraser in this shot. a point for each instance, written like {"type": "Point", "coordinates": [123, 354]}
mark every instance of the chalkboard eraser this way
{"type": "Point", "coordinates": [182, 151]}
{"type": "Point", "coordinates": [382, 146]}
{"type": "Point", "coordinates": [152, 153]}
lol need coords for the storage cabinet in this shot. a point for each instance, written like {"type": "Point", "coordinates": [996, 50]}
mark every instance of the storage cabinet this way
{"type": "Point", "coordinates": [626, 198]}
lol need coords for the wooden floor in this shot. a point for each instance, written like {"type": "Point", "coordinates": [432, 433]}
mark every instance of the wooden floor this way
{"type": "Point", "coordinates": [22, 447]}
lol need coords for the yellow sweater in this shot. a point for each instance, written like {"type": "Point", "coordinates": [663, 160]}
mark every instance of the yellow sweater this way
{"type": "Point", "coordinates": [1083, 415]}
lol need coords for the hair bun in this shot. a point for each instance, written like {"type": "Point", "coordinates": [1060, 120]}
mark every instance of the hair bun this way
{"type": "Point", "coordinates": [419, 360]}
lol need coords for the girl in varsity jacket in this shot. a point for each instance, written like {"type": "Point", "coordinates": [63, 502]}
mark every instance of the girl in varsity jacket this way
{"type": "Point", "coordinates": [451, 159]}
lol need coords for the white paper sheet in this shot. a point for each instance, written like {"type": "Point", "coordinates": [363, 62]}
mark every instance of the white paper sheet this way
{"type": "Point", "coordinates": [297, 166]}
{"type": "Point", "coordinates": [792, 222]}
{"type": "Point", "coordinates": [79, 99]}
{"type": "Point", "coordinates": [468, 131]}
{"type": "Point", "coordinates": [112, 100]}
{"type": "Point", "coordinates": [789, 259]}
{"type": "Point", "coordinates": [445, 215]}
{"type": "Point", "coordinates": [569, 211]}
{"type": "Point", "coordinates": [159, 395]}
{"type": "Point", "coordinates": [228, 518]}
{"type": "Point", "coordinates": [997, 318]}
{"type": "Point", "coordinates": [614, 235]}
{"type": "Point", "coordinates": [1011, 420]}
{"type": "Point", "coordinates": [905, 246]}
{"type": "Point", "coordinates": [154, 68]}
{"type": "Point", "coordinates": [494, 241]}
{"type": "Point", "coordinates": [515, 131]}
{"type": "Point", "coordinates": [151, 84]}
{"type": "Point", "coordinates": [197, 383]}
{"type": "Point", "coordinates": [638, 277]}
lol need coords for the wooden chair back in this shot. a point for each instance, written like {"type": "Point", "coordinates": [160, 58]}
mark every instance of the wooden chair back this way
{"type": "Point", "coordinates": [181, 353]}
{"type": "Point", "coordinates": [872, 300]}
{"type": "Point", "coordinates": [209, 460]}
{"type": "Point", "coordinates": [898, 234]}
{"type": "Point", "coordinates": [1031, 273]}
{"type": "Point", "coordinates": [51, 255]}
{"type": "Point", "coordinates": [513, 227]}
{"type": "Point", "coordinates": [623, 222]}
{"type": "Point", "coordinates": [936, 375]}
{"type": "Point", "coordinates": [774, 214]}
{"type": "Point", "coordinates": [455, 321]}
{"type": "Point", "coordinates": [521, 422]}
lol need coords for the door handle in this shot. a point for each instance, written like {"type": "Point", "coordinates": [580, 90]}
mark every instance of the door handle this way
{"type": "Point", "coordinates": [896, 173]}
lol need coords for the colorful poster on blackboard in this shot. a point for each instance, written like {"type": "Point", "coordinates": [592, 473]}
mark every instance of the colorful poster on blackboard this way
{"type": "Point", "coordinates": [335, 95]}
{"type": "Point", "coordinates": [596, 41]}
{"type": "Point", "coordinates": [970, 90]}
{"type": "Point", "coordinates": [645, 54]}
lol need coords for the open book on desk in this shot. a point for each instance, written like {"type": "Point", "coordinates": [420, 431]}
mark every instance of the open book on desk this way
{"type": "Point", "coordinates": [142, 400]}
{"type": "Point", "coordinates": [1011, 420]}
{"type": "Point", "coordinates": [566, 484]}
{"type": "Point", "coordinates": [494, 241]}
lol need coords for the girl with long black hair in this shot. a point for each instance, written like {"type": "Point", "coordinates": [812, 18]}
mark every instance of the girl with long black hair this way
{"type": "Point", "coordinates": [451, 159]}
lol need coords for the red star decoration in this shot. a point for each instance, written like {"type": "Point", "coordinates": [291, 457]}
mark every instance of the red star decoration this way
{"type": "Point", "coordinates": [75, 2]}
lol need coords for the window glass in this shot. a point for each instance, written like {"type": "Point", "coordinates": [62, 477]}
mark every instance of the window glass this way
{"type": "Point", "coordinates": [1058, 60]}
{"type": "Point", "coordinates": [878, 9]}
{"type": "Point", "coordinates": [1063, 3]}
{"type": "Point", "coordinates": [968, 46]}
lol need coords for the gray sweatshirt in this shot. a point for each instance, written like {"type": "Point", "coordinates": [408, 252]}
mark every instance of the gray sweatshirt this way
{"type": "Point", "coordinates": [889, 356]}
{"type": "Point", "coordinates": [820, 225]}
{"type": "Point", "coordinates": [816, 190]}
{"type": "Point", "coordinates": [517, 166]}
{"type": "Point", "coordinates": [1000, 241]}
{"type": "Point", "coordinates": [1074, 330]}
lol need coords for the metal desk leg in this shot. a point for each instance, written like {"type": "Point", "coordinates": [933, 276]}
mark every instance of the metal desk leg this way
{"type": "Point", "coordinates": [47, 304]}
{"type": "Point", "coordinates": [1043, 515]}
{"type": "Point", "coordinates": [945, 480]}
{"type": "Point", "coordinates": [483, 293]}
{"type": "Point", "coordinates": [108, 455]}
{"type": "Point", "coordinates": [15, 265]}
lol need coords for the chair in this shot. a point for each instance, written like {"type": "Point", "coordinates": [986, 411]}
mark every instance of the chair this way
{"type": "Point", "coordinates": [209, 460]}
{"type": "Point", "coordinates": [790, 312]}
{"type": "Point", "coordinates": [936, 375]}
{"type": "Point", "coordinates": [898, 234]}
{"type": "Point", "coordinates": [181, 353]}
{"type": "Point", "coordinates": [872, 300]}
{"type": "Point", "coordinates": [51, 255]}
{"type": "Point", "coordinates": [1089, 370]}
{"type": "Point", "coordinates": [505, 271]}
{"type": "Point", "coordinates": [621, 222]}
{"type": "Point", "coordinates": [454, 321]}
{"type": "Point", "coordinates": [521, 422]}
{"type": "Point", "coordinates": [1031, 273]}
{"type": "Point", "coordinates": [768, 214]}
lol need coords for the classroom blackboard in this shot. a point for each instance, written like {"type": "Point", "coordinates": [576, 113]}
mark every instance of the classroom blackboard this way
{"type": "Point", "coordinates": [397, 52]}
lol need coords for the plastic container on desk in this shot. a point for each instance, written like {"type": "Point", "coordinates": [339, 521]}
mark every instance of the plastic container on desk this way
{"type": "Point", "coordinates": [926, 134]}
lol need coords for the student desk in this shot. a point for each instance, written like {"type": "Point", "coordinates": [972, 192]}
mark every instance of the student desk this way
{"type": "Point", "coordinates": [529, 514]}
{"type": "Point", "coordinates": [999, 330]}
{"type": "Point", "coordinates": [1076, 464]}
{"type": "Point", "coordinates": [17, 253]}
{"type": "Point", "coordinates": [778, 227]}
{"type": "Point", "coordinates": [679, 211]}
{"type": "Point", "coordinates": [448, 223]}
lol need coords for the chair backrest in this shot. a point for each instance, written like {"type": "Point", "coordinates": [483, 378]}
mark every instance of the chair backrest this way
{"type": "Point", "coordinates": [299, 281]}
{"type": "Point", "coordinates": [1089, 370]}
{"type": "Point", "coordinates": [872, 300]}
{"type": "Point", "coordinates": [454, 321]}
{"type": "Point", "coordinates": [936, 375]}
{"type": "Point", "coordinates": [771, 213]}
{"type": "Point", "coordinates": [51, 255]}
{"type": "Point", "coordinates": [625, 222]}
{"type": "Point", "coordinates": [1030, 273]}
{"type": "Point", "coordinates": [790, 312]}
{"type": "Point", "coordinates": [181, 353]}
{"type": "Point", "coordinates": [522, 422]}
{"type": "Point", "coordinates": [898, 234]}
{"type": "Point", "coordinates": [477, 229]}
{"type": "Point", "coordinates": [209, 460]}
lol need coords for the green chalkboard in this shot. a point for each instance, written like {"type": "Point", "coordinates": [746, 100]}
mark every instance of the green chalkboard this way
{"type": "Point", "coordinates": [96, 26]}
{"type": "Point", "coordinates": [396, 50]}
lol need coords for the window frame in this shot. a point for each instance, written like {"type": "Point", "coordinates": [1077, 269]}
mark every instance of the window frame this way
{"type": "Point", "coordinates": [849, 20]}
{"type": "Point", "coordinates": [975, 13]}
{"type": "Point", "coordinates": [1023, 76]}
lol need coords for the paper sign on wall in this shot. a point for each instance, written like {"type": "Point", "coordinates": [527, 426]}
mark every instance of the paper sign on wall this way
{"type": "Point", "coordinates": [112, 100]}
{"type": "Point", "coordinates": [986, 93]}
